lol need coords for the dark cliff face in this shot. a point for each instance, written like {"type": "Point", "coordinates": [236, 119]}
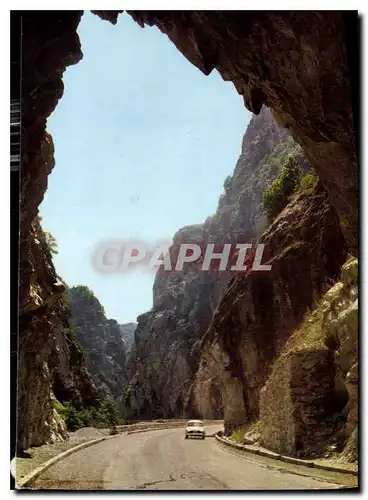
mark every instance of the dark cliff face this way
{"type": "Point", "coordinates": [49, 45]}
{"type": "Point", "coordinates": [101, 340]}
{"type": "Point", "coordinates": [168, 338]}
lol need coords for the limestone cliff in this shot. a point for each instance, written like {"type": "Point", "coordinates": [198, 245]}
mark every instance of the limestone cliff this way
{"type": "Point", "coordinates": [168, 338]}
{"type": "Point", "coordinates": [255, 317]}
{"type": "Point", "coordinates": [51, 364]}
{"type": "Point", "coordinates": [310, 397]}
{"type": "Point", "coordinates": [49, 45]}
{"type": "Point", "coordinates": [101, 340]}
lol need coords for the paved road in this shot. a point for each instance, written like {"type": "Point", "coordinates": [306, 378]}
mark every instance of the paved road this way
{"type": "Point", "coordinates": [164, 460]}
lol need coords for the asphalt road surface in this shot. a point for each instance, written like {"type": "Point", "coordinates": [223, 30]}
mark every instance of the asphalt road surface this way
{"type": "Point", "coordinates": [164, 460]}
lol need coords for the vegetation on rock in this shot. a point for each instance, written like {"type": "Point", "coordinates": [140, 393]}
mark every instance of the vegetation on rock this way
{"type": "Point", "coordinates": [277, 195]}
{"type": "Point", "coordinates": [106, 414]}
{"type": "Point", "coordinates": [291, 180]}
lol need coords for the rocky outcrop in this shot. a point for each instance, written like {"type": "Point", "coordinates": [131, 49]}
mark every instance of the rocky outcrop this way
{"type": "Point", "coordinates": [50, 362]}
{"type": "Point", "coordinates": [50, 44]}
{"type": "Point", "coordinates": [168, 338]}
{"type": "Point", "coordinates": [296, 403]}
{"type": "Point", "coordinates": [101, 340]}
{"type": "Point", "coordinates": [259, 311]}
{"type": "Point", "coordinates": [310, 398]}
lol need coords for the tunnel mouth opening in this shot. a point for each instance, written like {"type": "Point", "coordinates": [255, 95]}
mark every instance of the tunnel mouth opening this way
{"type": "Point", "coordinates": [249, 104]}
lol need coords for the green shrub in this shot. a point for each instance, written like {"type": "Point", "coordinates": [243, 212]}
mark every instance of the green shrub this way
{"type": "Point", "coordinates": [238, 435]}
{"type": "Point", "coordinates": [70, 415]}
{"type": "Point", "coordinates": [277, 195]}
{"type": "Point", "coordinates": [60, 408]}
{"type": "Point", "coordinates": [274, 166]}
{"type": "Point", "coordinates": [307, 183]}
{"type": "Point", "coordinates": [273, 199]}
{"type": "Point", "coordinates": [101, 417]}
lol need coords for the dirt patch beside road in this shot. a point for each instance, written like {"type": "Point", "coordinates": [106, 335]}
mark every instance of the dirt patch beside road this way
{"type": "Point", "coordinates": [41, 454]}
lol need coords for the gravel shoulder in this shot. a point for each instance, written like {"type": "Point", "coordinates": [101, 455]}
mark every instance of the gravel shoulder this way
{"type": "Point", "coordinates": [37, 456]}
{"type": "Point", "coordinates": [334, 461]}
{"type": "Point", "coordinates": [41, 454]}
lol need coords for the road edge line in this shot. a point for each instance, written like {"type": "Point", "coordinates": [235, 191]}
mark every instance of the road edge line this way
{"type": "Point", "coordinates": [36, 472]}
{"type": "Point", "coordinates": [284, 458]}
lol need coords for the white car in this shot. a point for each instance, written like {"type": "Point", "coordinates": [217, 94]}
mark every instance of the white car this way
{"type": "Point", "coordinates": [195, 428]}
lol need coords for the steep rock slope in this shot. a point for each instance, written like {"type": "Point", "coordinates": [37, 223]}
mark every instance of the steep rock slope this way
{"type": "Point", "coordinates": [101, 340]}
{"type": "Point", "coordinates": [310, 397]}
{"type": "Point", "coordinates": [49, 45]}
{"type": "Point", "coordinates": [51, 364]}
{"type": "Point", "coordinates": [257, 314]}
{"type": "Point", "coordinates": [168, 338]}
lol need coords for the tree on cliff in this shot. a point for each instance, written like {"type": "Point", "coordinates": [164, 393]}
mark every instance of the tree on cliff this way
{"type": "Point", "coordinates": [277, 195]}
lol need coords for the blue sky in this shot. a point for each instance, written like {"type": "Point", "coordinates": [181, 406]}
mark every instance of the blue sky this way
{"type": "Point", "coordinates": [143, 144]}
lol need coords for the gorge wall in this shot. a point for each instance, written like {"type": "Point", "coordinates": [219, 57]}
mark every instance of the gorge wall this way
{"type": "Point", "coordinates": [259, 311]}
{"type": "Point", "coordinates": [273, 59]}
{"type": "Point", "coordinates": [49, 45]}
{"type": "Point", "coordinates": [311, 395]}
{"type": "Point", "coordinates": [101, 339]}
{"type": "Point", "coordinates": [168, 338]}
{"type": "Point", "coordinates": [51, 364]}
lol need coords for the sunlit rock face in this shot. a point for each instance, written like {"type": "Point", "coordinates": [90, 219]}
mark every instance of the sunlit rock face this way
{"type": "Point", "coordinates": [310, 397]}
{"type": "Point", "coordinates": [259, 310]}
{"type": "Point", "coordinates": [127, 334]}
